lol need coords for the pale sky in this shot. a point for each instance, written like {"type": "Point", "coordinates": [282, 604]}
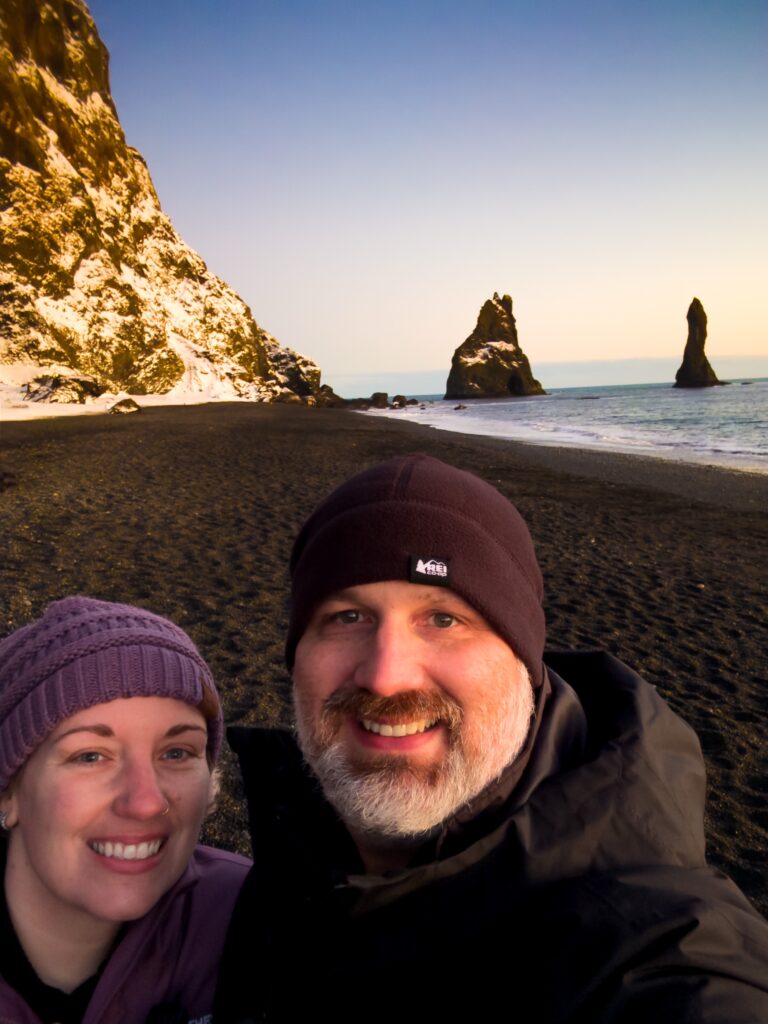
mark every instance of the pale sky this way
{"type": "Point", "coordinates": [366, 174]}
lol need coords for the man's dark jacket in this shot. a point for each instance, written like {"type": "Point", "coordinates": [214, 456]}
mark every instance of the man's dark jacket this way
{"type": "Point", "coordinates": [574, 890]}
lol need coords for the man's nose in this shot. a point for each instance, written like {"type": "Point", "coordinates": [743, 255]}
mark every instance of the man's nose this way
{"type": "Point", "coordinates": [391, 660]}
{"type": "Point", "coordinates": [140, 795]}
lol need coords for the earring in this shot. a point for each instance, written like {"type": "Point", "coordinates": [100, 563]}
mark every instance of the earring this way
{"type": "Point", "coordinates": [4, 821]}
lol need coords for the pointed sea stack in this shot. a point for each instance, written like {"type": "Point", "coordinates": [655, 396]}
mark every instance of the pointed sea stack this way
{"type": "Point", "coordinates": [490, 363]}
{"type": "Point", "coordinates": [695, 371]}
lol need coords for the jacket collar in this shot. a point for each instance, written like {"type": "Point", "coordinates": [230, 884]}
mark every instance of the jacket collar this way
{"type": "Point", "coordinates": [555, 740]}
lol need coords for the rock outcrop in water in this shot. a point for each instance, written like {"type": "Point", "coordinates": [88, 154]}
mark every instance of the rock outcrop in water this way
{"type": "Point", "coordinates": [695, 371]}
{"type": "Point", "coordinates": [95, 283]}
{"type": "Point", "coordinates": [490, 363]}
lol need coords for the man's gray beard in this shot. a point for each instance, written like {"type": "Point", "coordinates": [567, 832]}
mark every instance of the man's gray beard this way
{"type": "Point", "coordinates": [389, 797]}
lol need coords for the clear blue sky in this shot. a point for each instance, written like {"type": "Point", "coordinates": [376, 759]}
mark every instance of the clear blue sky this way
{"type": "Point", "coordinates": [366, 174]}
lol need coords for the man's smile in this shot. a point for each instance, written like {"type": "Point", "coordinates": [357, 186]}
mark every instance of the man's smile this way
{"type": "Point", "coordinates": [411, 713]}
{"type": "Point", "coordinates": [398, 728]}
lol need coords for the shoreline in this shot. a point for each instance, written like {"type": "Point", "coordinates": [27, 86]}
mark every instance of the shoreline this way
{"type": "Point", "coordinates": [749, 467]}
{"type": "Point", "coordinates": [192, 511]}
{"type": "Point", "coordinates": [435, 414]}
{"type": "Point", "coordinates": [755, 463]}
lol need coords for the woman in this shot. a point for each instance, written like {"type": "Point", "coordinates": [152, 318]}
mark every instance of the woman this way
{"type": "Point", "coordinates": [110, 726]}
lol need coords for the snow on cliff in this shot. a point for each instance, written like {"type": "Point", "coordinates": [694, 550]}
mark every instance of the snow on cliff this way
{"type": "Point", "coordinates": [96, 286]}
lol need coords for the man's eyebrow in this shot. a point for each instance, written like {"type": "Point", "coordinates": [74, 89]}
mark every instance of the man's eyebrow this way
{"type": "Point", "coordinates": [340, 595]}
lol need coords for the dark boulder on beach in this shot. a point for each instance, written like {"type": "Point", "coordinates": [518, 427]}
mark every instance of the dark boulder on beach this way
{"type": "Point", "coordinates": [490, 363]}
{"type": "Point", "coordinates": [328, 399]}
{"type": "Point", "coordinates": [695, 371]}
{"type": "Point", "coordinates": [125, 407]}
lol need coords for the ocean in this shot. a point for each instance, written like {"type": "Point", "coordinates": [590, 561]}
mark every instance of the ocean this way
{"type": "Point", "coordinates": [720, 426]}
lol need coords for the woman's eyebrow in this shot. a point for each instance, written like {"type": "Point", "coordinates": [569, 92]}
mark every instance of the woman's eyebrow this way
{"type": "Point", "coordinates": [175, 730]}
{"type": "Point", "coordinates": [106, 731]}
{"type": "Point", "coordinates": [100, 730]}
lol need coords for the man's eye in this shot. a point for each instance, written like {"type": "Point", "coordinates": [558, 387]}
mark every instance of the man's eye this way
{"type": "Point", "coordinates": [348, 617]}
{"type": "Point", "coordinates": [443, 620]}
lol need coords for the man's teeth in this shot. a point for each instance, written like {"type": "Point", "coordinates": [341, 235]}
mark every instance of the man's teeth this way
{"type": "Point", "coordinates": [401, 729]}
{"type": "Point", "coordinates": [128, 851]}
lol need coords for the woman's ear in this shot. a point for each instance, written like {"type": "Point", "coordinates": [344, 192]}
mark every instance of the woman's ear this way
{"type": "Point", "coordinates": [8, 809]}
{"type": "Point", "coordinates": [214, 790]}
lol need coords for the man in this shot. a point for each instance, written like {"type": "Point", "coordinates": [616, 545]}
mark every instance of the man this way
{"type": "Point", "coordinates": [467, 834]}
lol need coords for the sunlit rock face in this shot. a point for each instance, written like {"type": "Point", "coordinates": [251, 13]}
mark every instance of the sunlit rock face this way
{"type": "Point", "coordinates": [490, 363]}
{"type": "Point", "coordinates": [94, 280]}
{"type": "Point", "coordinates": [695, 371]}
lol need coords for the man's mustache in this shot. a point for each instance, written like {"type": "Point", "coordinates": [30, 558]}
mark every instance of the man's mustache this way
{"type": "Point", "coordinates": [411, 705]}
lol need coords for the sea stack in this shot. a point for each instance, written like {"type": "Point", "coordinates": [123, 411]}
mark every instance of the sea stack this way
{"type": "Point", "coordinates": [490, 363]}
{"type": "Point", "coordinates": [695, 371]}
{"type": "Point", "coordinates": [98, 292]}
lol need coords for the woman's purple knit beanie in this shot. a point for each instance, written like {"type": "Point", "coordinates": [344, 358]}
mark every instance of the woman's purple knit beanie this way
{"type": "Point", "coordinates": [417, 519]}
{"type": "Point", "coordinates": [84, 652]}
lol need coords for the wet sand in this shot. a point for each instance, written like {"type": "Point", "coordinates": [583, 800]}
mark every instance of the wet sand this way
{"type": "Point", "coordinates": [191, 512]}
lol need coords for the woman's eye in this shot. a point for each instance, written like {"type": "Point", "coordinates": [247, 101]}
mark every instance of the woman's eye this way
{"type": "Point", "coordinates": [87, 757]}
{"type": "Point", "coordinates": [177, 754]}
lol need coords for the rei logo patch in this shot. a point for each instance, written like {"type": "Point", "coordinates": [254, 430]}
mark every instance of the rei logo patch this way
{"type": "Point", "coordinates": [429, 570]}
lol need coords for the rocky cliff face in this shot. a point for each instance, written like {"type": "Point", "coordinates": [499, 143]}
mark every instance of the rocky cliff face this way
{"type": "Point", "coordinates": [95, 283]}
{"type": "Point", "coordinates": [490, 363]}
{"type": "Point", "coordinates": [695, 371]}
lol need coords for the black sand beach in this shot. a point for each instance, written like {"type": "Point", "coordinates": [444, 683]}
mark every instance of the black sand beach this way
{"type": "Point", "coordinates": [191, 512]}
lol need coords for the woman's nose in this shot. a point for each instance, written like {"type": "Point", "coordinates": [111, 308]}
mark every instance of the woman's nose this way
{"type": "Point", "coordinates": [140, 795]}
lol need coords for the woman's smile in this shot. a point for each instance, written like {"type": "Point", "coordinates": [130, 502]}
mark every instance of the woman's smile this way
{"type": "Point", "coordinates": [130, 851]}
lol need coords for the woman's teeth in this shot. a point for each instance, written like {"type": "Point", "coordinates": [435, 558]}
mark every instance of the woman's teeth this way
{"type": "Point", "coordinates": [400, 729]}
{"type": "Point", "coordinates": [128, 851]}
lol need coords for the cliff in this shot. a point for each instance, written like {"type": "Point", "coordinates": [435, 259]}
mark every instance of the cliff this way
{"type": "Point", "coordinates": [95, 283]}
{"type": "Point", "coordinates": [490, 363]}
{"type": "Point", "coordinates": [695, 371]}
